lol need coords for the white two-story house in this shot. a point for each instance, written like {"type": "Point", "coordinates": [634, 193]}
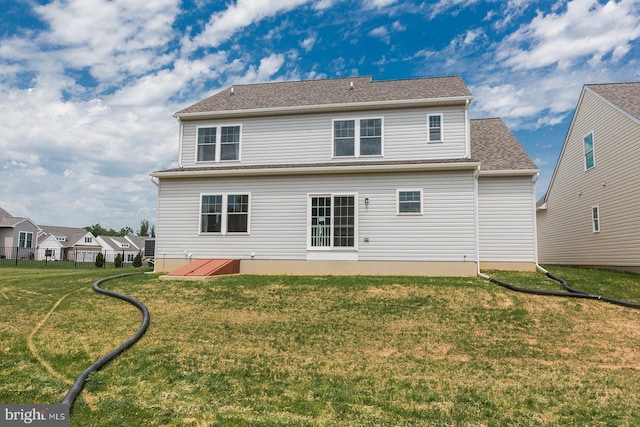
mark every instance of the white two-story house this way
{"type": "Point", "coordinates": [347, 176]}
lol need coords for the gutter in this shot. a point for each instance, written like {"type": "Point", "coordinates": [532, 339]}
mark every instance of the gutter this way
{"type": "Point", "coordinates": [313, 169]}
{"type": "Point", "coordinates": [307, 109]}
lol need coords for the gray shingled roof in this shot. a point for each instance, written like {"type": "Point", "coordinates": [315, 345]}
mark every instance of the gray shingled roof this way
{"type": "Point", "coordinates": [496, 148]}
{"type": "Point", "coordinates": [625, 95]}
{"type": "Point", "coordinates": [8, 220]}
{"type": "Point", "coordinates": [73, 234]}
{"type": "Point", "coordinates": [328, 92]}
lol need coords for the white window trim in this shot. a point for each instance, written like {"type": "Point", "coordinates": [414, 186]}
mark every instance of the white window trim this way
{"type": "Point", "coordinates": [402, 190]}
{"type": "Point", "coordinates": [593, 150]}
{"type": "Point", "coordinates": [595, 229]}
{"type": "Point", "coordinates": [224, 214]}
{"type": "Point", "coordinates": [356, 142]}
{"type": "Point", "coordinates": [441, 128]}
{"type": "Point", "coordinates": [26, 233]}
{"type": "Point", "coordinates": [218, 144]}
{"type": "Point", "coordinates": [332, 248]}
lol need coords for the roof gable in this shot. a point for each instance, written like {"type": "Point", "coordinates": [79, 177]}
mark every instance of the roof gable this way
{"type": "Point", "coordinates": [625, 96]}
{"type": "Point", "coordinates": [329, 92]}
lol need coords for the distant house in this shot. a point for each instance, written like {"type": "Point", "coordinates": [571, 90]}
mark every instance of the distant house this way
{"type": "Point", "coordinates": [67, 244]}
{"type": "Point", "coordinates": [127, 246]}
{"type": "Point", "coordinates": [347, 176]}
{"type": "Point", "coordinates": [18, 236]}
{"type": "Point", "coordinates": [589, 215]}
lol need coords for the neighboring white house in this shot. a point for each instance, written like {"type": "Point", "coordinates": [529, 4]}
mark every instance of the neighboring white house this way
{"type": "Point", "coordinates": [589, 215]}
{"type": "Point", "coordinates": [127, 246]}
{"type": "Point", "coordinates": [347, 176]}
{"type": "Point", "coordinates": [18, 236]}
{"type": "Point", "coordinates": [67, 244]}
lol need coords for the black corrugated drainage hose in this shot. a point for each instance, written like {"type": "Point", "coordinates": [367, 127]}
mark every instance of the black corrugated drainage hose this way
{"type": "Point", "coordinates": [77, 386]}
{"type": "Point", "coordinates": [572, 292]}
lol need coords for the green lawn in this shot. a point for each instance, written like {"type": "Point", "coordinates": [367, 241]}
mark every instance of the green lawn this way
{"type": "Point", "coordinates": [324, 351]}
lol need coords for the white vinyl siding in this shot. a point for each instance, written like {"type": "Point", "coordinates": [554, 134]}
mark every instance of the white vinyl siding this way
{"type": "Point", "coordinates": [309, 138]}
{"type": "Point", "coordinates": [565, 237]}
{"type": "Point", "coordinates": [506, 211]}
{"type": "Point", "coordinates": [280, 217]}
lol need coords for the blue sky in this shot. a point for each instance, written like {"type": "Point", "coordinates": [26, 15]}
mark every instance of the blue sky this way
{"type": "Point", "coordinates": [88, 87]}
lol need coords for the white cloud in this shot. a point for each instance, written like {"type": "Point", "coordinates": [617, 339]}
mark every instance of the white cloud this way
{"type": "Point", "coordinates": [113, 39]}
{"type": "Point", "coordinates": [378, 4]}
{"type": "Point", "coordinates": [222, 25]}
{"type": "Point", "coordinates": [586, 29]}
{"type": "Point", "coordinates": [308, 43]}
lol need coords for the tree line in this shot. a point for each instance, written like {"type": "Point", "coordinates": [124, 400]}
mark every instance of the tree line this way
{"type": "Point", "coordinates": [144, 230]}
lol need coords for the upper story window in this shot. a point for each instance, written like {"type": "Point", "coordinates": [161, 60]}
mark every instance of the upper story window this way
{"type": "Point", "coordinates": [435, 127]}
{"type": "Point", "coordinates": [357, 137]}
{"type": "Point", "coordinates": [25, 239]}
{"type": "Point", "coordinates": [88, 239]}
{"type": "Point", "coordinates": [224, 213]}
{"type": "Point", "coordinates": [218, 143]}
{"type": "Point", "coordinates": [589, 155]}
{"type": "Point", "coordinates": [409, 202]}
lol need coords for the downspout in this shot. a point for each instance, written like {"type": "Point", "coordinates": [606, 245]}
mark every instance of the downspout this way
{"type": "Point", "coordinates": [467, 141]}
{"type": "Point", "coordinates": [180, 142]}
{"type": "Point", "coordinates": [476, 203]}
{"type": "Point", "coordinates": [534, 181]}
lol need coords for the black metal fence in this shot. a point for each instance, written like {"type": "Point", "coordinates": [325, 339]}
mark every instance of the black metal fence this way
{"type": "Point", "coordinates": [65, 258]}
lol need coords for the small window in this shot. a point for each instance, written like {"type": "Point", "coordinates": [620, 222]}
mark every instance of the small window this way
{"type": "Point", "coordinates": [595, 217]}
{"type": "Point", "coordinates": [88, 239]}
{"type": "Point", "coordinates": [218, 144]}
{"type": "Point", "coordinates": [435, 127]}
{"type": "Point", "coordinates": [410, 202]}
{"type": "Point", "coordinates": [589, 155]}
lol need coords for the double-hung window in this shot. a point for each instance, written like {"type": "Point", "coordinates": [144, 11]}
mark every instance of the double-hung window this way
{"type": "Point", "coordinates": [589, 154]}
{"type": "Point", "coordinates": [434, 122]}
{"type": "Point", "coordinates": [409, 202]}
{"type": "Point", "coordinates": [25, 239]}
{"type": "Point", "coordinates": [357, 137]}
{"type": "Point", "coordinates": [595, 218]}
{"type": "Point", "coordinates": [218, 143]}
{"type": "Point", "coordinates": [224, 213]}
{"type": "Point", "coordinates": [332, 221]}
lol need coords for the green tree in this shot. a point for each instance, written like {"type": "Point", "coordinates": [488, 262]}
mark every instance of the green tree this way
{"type": "Point", "coordinates": [144, 228]}
{"type": "Point", "coordinates": [125, 231]}
{"type": "Point", "coordinates": [118, 260]}
{"type": "Point", "coordinates": [137, 261]}
{"type": "Point", "coordinates": [99, 260]}
{"type": "Point", "coordinates": [153, 231]}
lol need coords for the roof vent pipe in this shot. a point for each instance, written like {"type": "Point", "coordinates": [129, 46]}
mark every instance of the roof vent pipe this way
{"type": "Point", "coordinates": [351, 86]}
{"type": "Point", "coordinates": [232, 93]}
